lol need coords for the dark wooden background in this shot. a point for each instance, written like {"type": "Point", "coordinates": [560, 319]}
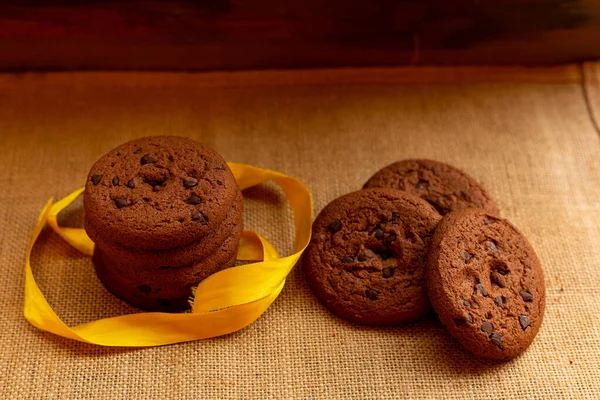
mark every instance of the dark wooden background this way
{"type": "Point", "coordinates": [255, 34]}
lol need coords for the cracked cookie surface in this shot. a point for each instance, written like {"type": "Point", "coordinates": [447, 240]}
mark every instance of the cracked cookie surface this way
{"type": "Point", "coordinates": [486, 284]}
{"type": "Point", "coordinates": [445, 187]}
{"type": "Point", "coordinates": [366, 257]}
{"type": "Point", "coordinates": [158, 193]}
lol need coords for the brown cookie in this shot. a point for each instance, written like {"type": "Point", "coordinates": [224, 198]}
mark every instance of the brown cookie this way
{"type": "Point", "coordinates": [366, 258]}
{"type": "Point", "coordinates": [158, 193]}
{"type": "Point", "coordinates": [445, 187]}
{"type": "Point", "coordinates": [165, 288]}
{"type": "Point", "coordinates": [140, 259]}
{"type": "Point", "coordinates": [486, 284]}
{"type": "Point", "coordinates": [140, 296]}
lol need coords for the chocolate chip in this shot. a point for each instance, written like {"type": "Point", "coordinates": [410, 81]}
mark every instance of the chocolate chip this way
{"type": "Point", "coordinates": [487, 327]}
{"type": "Point", "coordinates": [492, 247]}
{"type": "Point", "coordinates": [348, 260]}
{"type": "Point", "coordinates": [528, 297]}
{"type": "Point", "coordinates": [115, 181]}
{"type": "Point", "coordinates": [138, 151]}
{"type": "Point", "coordinates": [498, 300]}
{"type": "Point", "coordinates": [466, 303]}
{"type": "Point", "coordinates": [467, 256]}
{"type": "Point", "coordinates": [219, 182]}
{"type": "Point", "coordinates": [389, 239]}
{"type": "Point", "coordinates": [470, 318]}
{"type": "Point", "coordinates": [96, 179]}
{"type": "Point", "coordinates": [120, 202]}
{"type": "Point", "coordinates": [496, 338]}
{"type": "Point", "coordinates": [372, 294]}
{"type": "Point", "coordinates": [164, 302]}
{"type": "Point", "coordinates": [482, 289]}
{"type": "Point", "coordinates": [147, 159]}
{"type": "Point", "coordinates": [388, 272]}
{"type": "Point", "coordinates": [524, 320]}
{"type": "Point", "coordinates": [378, 232]}
{"type": "Point", "coordinates": [144, 288]}
{"type": "Point", "coordinates": [421, 184]}
{"type": "Point", "coordinates": [156, 182]}
{"type": "Point", "coordinates": [489, 221]}
{"type": "Point", "coordinates": [335, 226]}
{"type": "Point", "coordinates": [395, 217]}
{"type": "Point", "coordinates": [497, 279]}
{"type": "Point", "coordinates": [189, 183]}
{"type": "Point", "coordinates": [362, 256]}
{"type": "Point", "coordinates": [198, 216]}
{"type": "Point", "coordinates": [385, 255]}
{"type": "Point", "coordinates": [131, 184]}
{"type": "Point", "coordinates": [193, 200]}
{"type": "Point", "coordinates": [501, 268]}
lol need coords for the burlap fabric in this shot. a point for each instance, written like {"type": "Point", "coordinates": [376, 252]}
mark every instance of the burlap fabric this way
{"type": "Point", "coordinates": [526, 134]}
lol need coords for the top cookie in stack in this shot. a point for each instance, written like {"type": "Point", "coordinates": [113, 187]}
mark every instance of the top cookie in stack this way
{"type": "Point", "coordinates": [165, 213]}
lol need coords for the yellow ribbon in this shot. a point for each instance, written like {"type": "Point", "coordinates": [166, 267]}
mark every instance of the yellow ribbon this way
{"type": "Point", "coordinates": [223, 303]}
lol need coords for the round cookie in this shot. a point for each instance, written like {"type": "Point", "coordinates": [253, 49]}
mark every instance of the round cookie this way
{"type": "Point", "coordinates": [366, 257]}
{"type": "Point", "coordinates": [171, 280]}
{"type": "Point", "coordinates": [445, 187]}
{"type": "Point", "coordinates": [158, 193]}
{"type": "Point", "coordinates": [165, 288]}
{"type": "Point", "coordinates": [486, 284]}
{"type": "Point", "coordinates": [148, 302]}
{"type": "Point", "coordinates": [140, 259]}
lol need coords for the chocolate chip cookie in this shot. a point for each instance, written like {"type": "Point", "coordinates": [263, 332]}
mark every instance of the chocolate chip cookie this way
{"type": "Point", "coordinates": [166, 288]}
{"type": "Point", "coordinates": [158, 193]}
{"type": "Point", "coordinates": [366, 258]}
{"type": "Point", "coordinates": [486, 284]}
{"type": "Point", "coordinates": [445, 187]}
{"type": "Point", "coordinates": [140, 259]}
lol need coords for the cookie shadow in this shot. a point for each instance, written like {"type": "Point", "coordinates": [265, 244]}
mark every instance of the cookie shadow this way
{"type": "Point", "coordinates": [267, 193]}
{"type": "Point", "coordinates": [443, 351]}
{"type": "Point", "coordinates": [73, 215]}
{"type": "Point", "coordinates": [426, 340]}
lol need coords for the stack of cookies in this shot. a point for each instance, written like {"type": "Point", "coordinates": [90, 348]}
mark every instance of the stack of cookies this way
{"type": "Point", "coordinates": [421, 234]}
{"type": "Point", "coordinates": [165, 213]}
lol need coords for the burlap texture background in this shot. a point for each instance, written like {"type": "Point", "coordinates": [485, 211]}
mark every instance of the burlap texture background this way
{"type": "Point", "coordinates": [526, 134]}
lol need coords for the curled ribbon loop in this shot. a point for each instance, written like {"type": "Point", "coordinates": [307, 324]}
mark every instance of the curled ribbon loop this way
{"type": "Point", "coordinates": [223, 303]}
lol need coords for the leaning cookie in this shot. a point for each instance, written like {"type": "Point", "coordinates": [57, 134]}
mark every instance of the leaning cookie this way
{"type": "Point", "coordinates": [486, 284]}
{"type": "Point", "coordinates": [366, 258]}
{"type": "Point", "coordinates": [445, 187]}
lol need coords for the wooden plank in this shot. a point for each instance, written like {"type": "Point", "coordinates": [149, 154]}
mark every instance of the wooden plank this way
{"type": "Point", "coordinates": [256, 34]}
